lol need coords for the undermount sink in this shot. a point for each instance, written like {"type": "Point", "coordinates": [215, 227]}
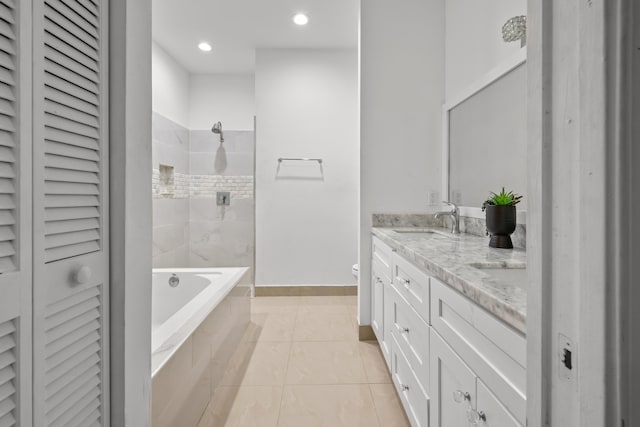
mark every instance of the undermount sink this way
{"type": "Point", "coordinates": [505, 273]}
{"type": "Point", "coordinates": [420, 233]}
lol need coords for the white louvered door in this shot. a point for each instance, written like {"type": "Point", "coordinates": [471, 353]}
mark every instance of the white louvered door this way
{"type": "Point", "coordinates": [71, 292]}
{"type": "Point", "coordinates": [15, 213]}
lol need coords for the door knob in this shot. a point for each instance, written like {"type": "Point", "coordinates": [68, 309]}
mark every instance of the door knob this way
{"type": "Point", "coordinates": [82, 275]}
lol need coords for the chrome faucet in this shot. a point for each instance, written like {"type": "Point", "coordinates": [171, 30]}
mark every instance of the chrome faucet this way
{"type": "Point", "coordinates": [454, 213]}
{"type": "Point", "coordinates": [174, 280]}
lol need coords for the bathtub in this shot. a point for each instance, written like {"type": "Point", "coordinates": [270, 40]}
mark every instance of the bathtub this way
{"type": "Point", "coordinates": [196, 326]}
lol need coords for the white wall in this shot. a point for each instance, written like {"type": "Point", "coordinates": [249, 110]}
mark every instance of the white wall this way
{"type": "Point", "coordinates": [130, 211]}
{"type": "Point", "coordinates": [474, 42]}
{"type": "Point", "coordinates": [229, 98]}
{"type": "Point", "coordinates": [306, 216]}
{"type": "Point", "coordinates": [402, 91]}
{"type": "Point", "coordinates": [170, 85]}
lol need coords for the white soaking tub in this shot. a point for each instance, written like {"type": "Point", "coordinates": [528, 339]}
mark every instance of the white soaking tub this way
{"type": "Point", "coordinates": [196, 326]}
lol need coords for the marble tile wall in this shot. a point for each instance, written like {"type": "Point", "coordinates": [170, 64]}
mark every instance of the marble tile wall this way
{"type": "Point", "coordinates": [222, 235]}
{"type": "Point", "coordinates": [170, 147]}
{"type": "Point", "coordinates": [189, 229]}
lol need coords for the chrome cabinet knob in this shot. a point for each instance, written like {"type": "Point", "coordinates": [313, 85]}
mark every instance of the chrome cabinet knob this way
{"type": "Point", "coordinates": [476, 417]}
{"type": "Point", "coordinates": [460, 396]}
{"type": "Point", "coordinates": [404, 330]}
{"type": "Point", "coordinates": [404, 387]}
{"type": "Point", "coordinates": [82, 275]}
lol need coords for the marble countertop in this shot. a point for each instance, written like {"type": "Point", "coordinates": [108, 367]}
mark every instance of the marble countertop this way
{"type": "Point", "coordinates": [450, 258]}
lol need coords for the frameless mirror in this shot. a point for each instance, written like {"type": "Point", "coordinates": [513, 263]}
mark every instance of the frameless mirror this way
{"type": "Point", "coordinates": [487, 139]}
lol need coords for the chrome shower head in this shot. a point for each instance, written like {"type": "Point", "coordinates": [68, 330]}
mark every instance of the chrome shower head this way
{"type": "Point", "coordinates": [217, 129]}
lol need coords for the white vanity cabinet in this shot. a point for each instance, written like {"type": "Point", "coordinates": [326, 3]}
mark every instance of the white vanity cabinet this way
{"type": "Point", "coordinates": [452, 362]}
{"type": "Point", "coordinates": [494, 351]}
{"type": "Point", "coordinates": [459, 397]}
{"type": "Point", "coordinates": [381, 270]}
{"type": "Point", "coordinates": [411, 335]}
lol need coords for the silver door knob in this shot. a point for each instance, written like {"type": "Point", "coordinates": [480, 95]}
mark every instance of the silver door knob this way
{"type": "Point", "coordinates": [82, 275]}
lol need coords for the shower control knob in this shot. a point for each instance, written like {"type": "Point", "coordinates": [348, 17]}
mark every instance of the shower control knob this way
{"type": "Point", "coordinates": [82, 275]}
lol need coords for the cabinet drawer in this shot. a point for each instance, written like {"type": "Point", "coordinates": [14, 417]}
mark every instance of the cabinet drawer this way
{"type": "Point", "coordinates": [383, 254]}
{"type": "Point", "coordinates": [495, 351]}
{"type": "Point", "coordinates": [413, 284]}
{"type": "Point", "coordinates": [380, 271]}
{"type": "Point", "coordinates": [496, 415]}
{"type": "Point", "coordinates": [414, 400]}
{"type": "Point", "coordinates": [412, 335]}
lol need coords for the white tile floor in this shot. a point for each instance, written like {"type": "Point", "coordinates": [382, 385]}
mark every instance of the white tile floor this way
{"type": "Point", "coordinates": [301, 364]}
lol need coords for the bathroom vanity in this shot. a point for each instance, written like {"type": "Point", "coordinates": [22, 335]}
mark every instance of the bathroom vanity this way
{"type": "Point", "coordinates": [449, 313]}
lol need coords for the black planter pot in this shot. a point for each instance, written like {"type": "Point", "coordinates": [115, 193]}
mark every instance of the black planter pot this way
{"type": "Point", "coordinates": [501, 223]}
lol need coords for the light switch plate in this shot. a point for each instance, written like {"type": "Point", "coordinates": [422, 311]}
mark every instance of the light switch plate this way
{"type": "Point", "coordinates": [457, 197]}
{"type": "Point", "coordinates": [434, 197]}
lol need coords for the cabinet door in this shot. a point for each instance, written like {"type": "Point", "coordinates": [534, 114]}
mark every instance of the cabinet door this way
{"type": "Point", "coordinates": [453, 386]}
{"type": "Point", "coordinates": [495, 413]}
{"type": "Point", "coordinates": [377, 303]}
{"type": "Point", "coordinates": [388, 315]}
{"type": "Point", "coordinates": [15, 213]}
{"type": "Point", "coordinates": [70, 208]}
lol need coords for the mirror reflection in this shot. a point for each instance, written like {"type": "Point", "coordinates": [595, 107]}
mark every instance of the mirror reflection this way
{"type": "Point", "coordinates": [488, 141]}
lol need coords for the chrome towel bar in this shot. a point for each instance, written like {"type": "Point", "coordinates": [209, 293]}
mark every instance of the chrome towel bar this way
{"type": "Point", "coordinates": [301, 159]}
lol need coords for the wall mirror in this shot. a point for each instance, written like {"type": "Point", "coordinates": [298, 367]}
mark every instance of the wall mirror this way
{"type": "Point", "coordinates": [485, 138]}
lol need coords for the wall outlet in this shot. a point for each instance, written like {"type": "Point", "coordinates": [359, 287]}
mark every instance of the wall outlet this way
{"type": "Point", "coordinates": [457, 197]}
{"type": "Point", "coordinates": [566, 358]}
{"type": "Point", "coordinates": [434, 197]}
{"type": "Point", "coordinates": [223, 198]}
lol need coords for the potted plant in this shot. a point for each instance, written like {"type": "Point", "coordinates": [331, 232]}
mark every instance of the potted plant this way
{"type": "Point", "coordinates": [501, 217]}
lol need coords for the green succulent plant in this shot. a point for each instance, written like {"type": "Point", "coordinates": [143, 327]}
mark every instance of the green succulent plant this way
{"type": "Point", "coordinates": [502, 199]}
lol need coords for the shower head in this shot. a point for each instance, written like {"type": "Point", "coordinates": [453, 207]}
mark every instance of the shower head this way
{"type": "Point", "coordinates": [217, 129]}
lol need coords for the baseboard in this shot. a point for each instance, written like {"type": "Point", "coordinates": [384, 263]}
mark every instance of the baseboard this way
{"type": "Point", "coordinates": [306, 291]}
{"type": "Point", "coordinates": [365, 333]}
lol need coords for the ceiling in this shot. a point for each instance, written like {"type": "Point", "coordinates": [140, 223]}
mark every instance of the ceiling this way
{"type": "Point", "coordinates": [235, 28]}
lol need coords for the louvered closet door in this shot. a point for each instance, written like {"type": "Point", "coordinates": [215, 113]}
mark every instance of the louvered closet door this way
{"type": "Point", "coordinates": [71, 284]}
{"type": "Point", "coordinates": [15, 213]}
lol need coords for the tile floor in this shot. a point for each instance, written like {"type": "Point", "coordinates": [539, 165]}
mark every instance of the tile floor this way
{"type": "Point", "coordinates": [301, 364]}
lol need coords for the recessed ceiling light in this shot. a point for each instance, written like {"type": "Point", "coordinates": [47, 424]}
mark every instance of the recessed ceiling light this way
{"type": "Point", "coordinates": [301, 19]}
{"type": "Point", "coordinates": [205, 47]}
